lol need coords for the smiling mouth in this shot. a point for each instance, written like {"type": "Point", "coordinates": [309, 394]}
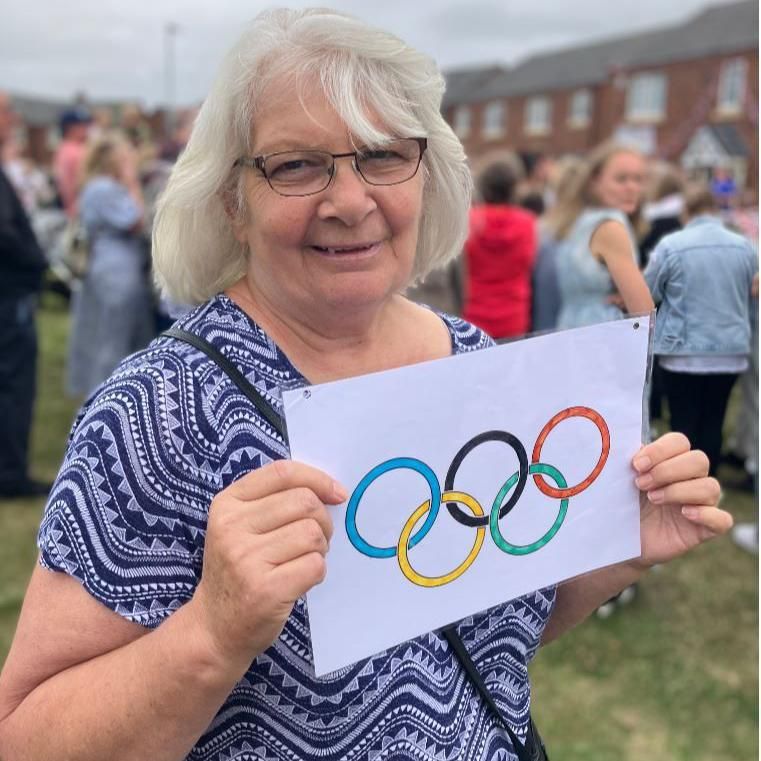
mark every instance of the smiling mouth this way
{"type": "Point", "coordinates": [354, 248]}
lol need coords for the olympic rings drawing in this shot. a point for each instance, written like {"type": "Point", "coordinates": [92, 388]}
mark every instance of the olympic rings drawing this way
{"type": "Point", "coordinates": [501, 506]}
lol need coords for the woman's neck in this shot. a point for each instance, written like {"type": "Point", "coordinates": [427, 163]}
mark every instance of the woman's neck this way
{"type": "Point", "coordinates": [321, 346]}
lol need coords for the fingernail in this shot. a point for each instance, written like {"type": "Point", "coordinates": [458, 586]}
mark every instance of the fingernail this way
{"type": "Point", "coordinates": [691, 512]}
{"type": "Point", "coordinates": [655, 496]}
{"type": "Point", "coordinates": [642, 463]}
{"type": "Point", "coordinates": [644, 481]}
{"type": "Point", "coordinates": [339, 492]}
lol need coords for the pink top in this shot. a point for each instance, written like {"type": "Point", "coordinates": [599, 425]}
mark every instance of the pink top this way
{"type": "Point", "coordinates": [67, 167]}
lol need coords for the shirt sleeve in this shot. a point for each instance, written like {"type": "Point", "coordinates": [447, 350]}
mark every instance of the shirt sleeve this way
{"type": "Point", "coordinates": [116, 207]}
{"type": "Point", "coordinates": [127, 513]}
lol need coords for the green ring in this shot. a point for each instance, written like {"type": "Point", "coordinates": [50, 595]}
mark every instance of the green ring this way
{"type": "Point", "coordinates": [527, 549]}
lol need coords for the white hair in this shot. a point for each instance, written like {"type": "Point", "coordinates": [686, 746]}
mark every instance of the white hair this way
{"type": "Point", "coordinates": [195, 253]}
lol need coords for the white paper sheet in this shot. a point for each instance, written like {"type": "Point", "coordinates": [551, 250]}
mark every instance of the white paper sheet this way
{"type": "Point", "coordinates": [421, 416]}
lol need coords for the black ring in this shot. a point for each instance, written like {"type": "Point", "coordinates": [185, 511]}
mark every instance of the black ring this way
{"type": "Point", "coordinates": [507, 438]}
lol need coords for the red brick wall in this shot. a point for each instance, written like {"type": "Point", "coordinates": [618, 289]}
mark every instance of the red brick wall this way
{"type": "Point", "coordinates": [691, 102]}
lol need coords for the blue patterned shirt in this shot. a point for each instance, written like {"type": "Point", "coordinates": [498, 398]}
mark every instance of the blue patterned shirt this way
{"type": "Point", "coordinates": [127, 518]}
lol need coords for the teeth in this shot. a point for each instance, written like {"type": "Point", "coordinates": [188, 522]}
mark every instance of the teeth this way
{"type": "Point", "coordinates": [344, 248]}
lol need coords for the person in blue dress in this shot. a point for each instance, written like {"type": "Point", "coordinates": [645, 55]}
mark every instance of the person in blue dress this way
{"type": "Point", "coordinates": [166, 618]}
{"type": "Point", "coordinates": [112, 308]}
{"type": "Point", "coordinates": [598, 275]}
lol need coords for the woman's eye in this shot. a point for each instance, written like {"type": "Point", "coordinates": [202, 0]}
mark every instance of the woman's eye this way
{"type": "Point", "coordinates": [380, 155]}
{"type": "Point", "coordinates": [289, 166]}
{"type": "Point", "coordinates": [296, 165]}
{"type": "Point", "coordinates": [293, 165]}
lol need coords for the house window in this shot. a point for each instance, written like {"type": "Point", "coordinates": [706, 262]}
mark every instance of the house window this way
{"type": "Point", "coordinates": [731, 94]}
{"type": "Point", "coordinates": [494, 119]}
{"type": "Point", "coordinates": [646, 97]}
{"type": "Point", "coordinates": [538, 115]}
{"type": "Point", "coordinates": [581, 108]}
{"type": "Point", "coordinates": [462, 121]}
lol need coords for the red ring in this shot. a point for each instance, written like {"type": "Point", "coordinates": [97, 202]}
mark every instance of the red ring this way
{"type": "Point", "coordinates": [602, 426]}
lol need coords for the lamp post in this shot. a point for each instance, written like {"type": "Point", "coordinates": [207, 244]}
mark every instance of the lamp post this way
{"type": "Point", "coordinates": [170, 33]}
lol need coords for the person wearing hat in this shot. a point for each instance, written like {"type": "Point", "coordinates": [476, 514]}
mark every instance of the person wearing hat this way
{"type": "Point", "coordinates": [67, 164]}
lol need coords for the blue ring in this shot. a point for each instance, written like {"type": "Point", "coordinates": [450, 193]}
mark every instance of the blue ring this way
{"type": "Point", "coordinates": [395, 464]}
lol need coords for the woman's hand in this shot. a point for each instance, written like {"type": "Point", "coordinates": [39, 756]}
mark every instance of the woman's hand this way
{"type": "Point", "coordinates": [679, 501]}
{"type": "Point", "coordinates": [266, 541]}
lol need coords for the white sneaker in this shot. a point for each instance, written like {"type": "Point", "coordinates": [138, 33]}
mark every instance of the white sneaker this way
{"type": "Point", "coordinates": [745, 536]}
{"type": "Point", "coordinates": [627, 595]}
{"type": "Point", "coordinates": [606, 609]}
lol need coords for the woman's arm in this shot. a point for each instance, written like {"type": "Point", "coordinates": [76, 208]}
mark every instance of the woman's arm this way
{"type": "Point", "coordinates": [81, 684]}
{"type": "Point", "coordinates": [611, 244]}
{"type": "Point", "coordinates": [580, 597]}
{"type": "Point", "coordinates": [678, 511]}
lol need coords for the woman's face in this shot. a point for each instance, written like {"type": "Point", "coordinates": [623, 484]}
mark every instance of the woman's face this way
{"type": "Point", "coordinates": [292, 240]}
{"type": "Point", "coordinates": [620, 182]}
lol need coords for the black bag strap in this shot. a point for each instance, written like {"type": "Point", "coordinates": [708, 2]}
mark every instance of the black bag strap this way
{"type": "Point", "coordinates": [528, 752]}
{"type": "Point", "coordinates": [261, 404]}
{"type": "Point", "coordinates": [525, 752]}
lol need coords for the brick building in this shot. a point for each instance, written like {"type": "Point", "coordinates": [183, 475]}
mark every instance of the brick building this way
{"type": "Point", "coordinates": [686, 93]}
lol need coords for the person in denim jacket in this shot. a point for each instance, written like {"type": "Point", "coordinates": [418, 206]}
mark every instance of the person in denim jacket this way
{"type": "Point", "coordinates": [702, 278]}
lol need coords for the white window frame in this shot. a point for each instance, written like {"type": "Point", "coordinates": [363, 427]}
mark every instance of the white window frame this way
{"type": "Point", "coordinates": [462, 121]}
{"type": "Point", "coordinates": [494, 119]}
{"type": "Point", "coordinates": [646, 97]}
{"type": "Point", "coordinates": [538, 115]}
{"type": "Point", "coordinates": [733, 84]}
{"type": "Point", "coordinates": [580, 115]}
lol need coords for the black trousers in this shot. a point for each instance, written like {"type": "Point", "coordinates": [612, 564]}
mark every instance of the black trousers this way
{"type": "Point", "coordinates": [18, 367]}
{"type": "Point", "coordinates": [698, 404]}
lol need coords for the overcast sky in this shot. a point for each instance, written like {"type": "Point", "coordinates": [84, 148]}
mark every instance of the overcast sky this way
{"type": "Point", "coordinates": [114, 50]}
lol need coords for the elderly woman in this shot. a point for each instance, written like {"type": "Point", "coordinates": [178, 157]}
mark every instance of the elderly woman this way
{"type": "Point", "coordinates": [166, 618]}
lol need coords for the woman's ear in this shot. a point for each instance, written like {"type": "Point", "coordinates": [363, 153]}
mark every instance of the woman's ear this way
{"type": "Point", "coordinates": [234, 215]}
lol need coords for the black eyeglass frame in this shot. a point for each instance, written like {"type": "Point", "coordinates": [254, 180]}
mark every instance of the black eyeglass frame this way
{"type": "Point", "coordinates": [257, 162]}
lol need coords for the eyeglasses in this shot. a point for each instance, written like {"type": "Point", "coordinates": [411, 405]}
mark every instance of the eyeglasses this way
{"type": "Point", "coordinates": [304, 173]}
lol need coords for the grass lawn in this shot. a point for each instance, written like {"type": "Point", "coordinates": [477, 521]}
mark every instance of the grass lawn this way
{"type": "Point", "coordinates": [673, 676]}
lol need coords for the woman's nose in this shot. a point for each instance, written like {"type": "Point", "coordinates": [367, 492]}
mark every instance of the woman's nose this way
{"type": "Point", "coordinates": [348, 197]}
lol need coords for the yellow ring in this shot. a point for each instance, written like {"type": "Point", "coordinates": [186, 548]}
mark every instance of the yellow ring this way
{"type": "Point", "coordinates": [401, 549]}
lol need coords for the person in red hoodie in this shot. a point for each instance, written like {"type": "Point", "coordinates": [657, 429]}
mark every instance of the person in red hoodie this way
{"type": "Point", "coordinates": [499, 256]}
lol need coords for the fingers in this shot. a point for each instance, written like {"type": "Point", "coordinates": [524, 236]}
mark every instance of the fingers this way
{"type": "Point", "coordinates": [275, 511]}
{"type": "Point", "coordinates": [667, 446]}
{"type": "Point", "coordinates": [697, 491]}
{"type": "Point", "coordinates": [682, 467]}
{"type": "Point", "coordinates": [282, 475]}
{"type": "Point", "coordinates": [713, 519]}
{"type": "Point", "coordinates": [294, 540]}
{"type": "Point", "coordinates": [298, 576]}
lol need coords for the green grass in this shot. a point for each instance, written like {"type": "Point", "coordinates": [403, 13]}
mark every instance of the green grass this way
{"type": "Point", "coordinates": [672, 677]}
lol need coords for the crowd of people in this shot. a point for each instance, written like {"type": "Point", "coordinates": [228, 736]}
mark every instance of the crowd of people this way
{"type": "Point", "coordinates": [554, 242]}
{"type": "Point", "coordinates": [598, 251]}
{"type": "Point", "coordinates": [182, 538]}
{"type": "Point", "coordinates": [86, 219]}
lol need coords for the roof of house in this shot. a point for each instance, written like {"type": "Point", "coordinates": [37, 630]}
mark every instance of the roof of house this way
{"type": "Point", "coordinates": [38, 111]}
{"type": "Point", "coordinates": [463, 82]}
{"type": "Point", "coordinates": [717, 30]}
{"type": "Point", "coordinates": [729, 138]}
